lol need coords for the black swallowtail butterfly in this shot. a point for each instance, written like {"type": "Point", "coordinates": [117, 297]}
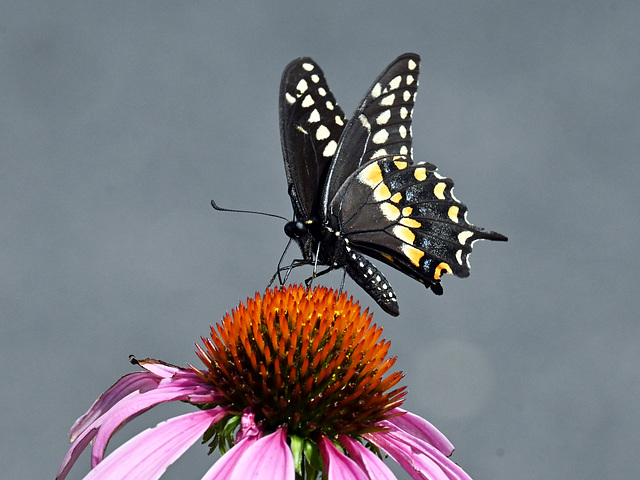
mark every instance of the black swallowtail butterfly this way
{"type": "Point", "coordinates": [356, 191]}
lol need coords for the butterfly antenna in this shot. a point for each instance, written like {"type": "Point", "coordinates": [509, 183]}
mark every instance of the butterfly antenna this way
{"type": "Point", "coordinates": [221, 209]}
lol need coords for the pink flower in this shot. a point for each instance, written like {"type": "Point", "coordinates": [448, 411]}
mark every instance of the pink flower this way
{"type": "Point", "coordinates": [294, 382]}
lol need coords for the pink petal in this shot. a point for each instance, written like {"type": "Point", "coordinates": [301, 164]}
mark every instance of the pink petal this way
{"type": "Point", "coordinates": [161, 369]}
{"type": "Point", "coordinates": [74, 452]}
{"type": "Point", "coordinates": [126, 410]}
{"type": "Point", "coordinates": [421, 460]}
{"type": "Point", "coordinates": [147, 455]}
{"type": "Point", "coordinates": [366, 459]}
{"type": "Point", "coordinates": [270, 457]}
{"type": "Point", "coordinates": [422, 429]}
{"type": "Point", "coordinates": [338, 465]}
{"type": "Point", "coordinates": [129, 383]}
{"type": "Point", "coordinates": [222, 469]}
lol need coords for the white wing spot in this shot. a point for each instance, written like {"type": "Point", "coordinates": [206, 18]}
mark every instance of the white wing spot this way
{"type": "Point", "coordinates": [322, 133]}
{"type": "Point", "coordinates": [403, 150]}
{"type": "Point", "coordinates": [376, 90]}
{"type": "Point", "coordinates": [322, 91]}
{"type": "Point", "coordinates": [307, 66]}
{"type": "Point", "coordinates": [459, 256]}
{"type": "Point", "coordinates": [410, 79]}
{"type": "Point", "coordinates": [464, 236]}
{"type": "Point", "coordinates": [290, 98]}
{"type": "Point", "coordinates": [314, 117]}
{"type": "Point", "coordinates": [406, 95]}
{"type": "Point", "coordinates": [339, 120]}
{"type": "Point", "coordinates": [302, 86]}
{"type": "Point", "coordinates": [412, 65]}
{"type": "Point", "coordinates": [315, 78]}
{"type": "Point", "coordinates": [329, 105]}
{"type": "Point", "coordinates": [365, 122]}
{"type": "Point", "coordinates": [403, 112]}
{"type": "Point", "coordinates": [388, 100]}
{"type": "Point", "coordinates": [383, 117]}
{"type": "Point", "coordinates": [330, 149]}
{"type": "Point", "coordinates": [379, 153]}
{"type": "Point", "coordinates": [395, 83]}
{"type": "Point", "coordinates": [403, 131]}
{"type": "Point", "coordinates": [380, 137]}
{"type": "Point", "coordinates": [308, 101]}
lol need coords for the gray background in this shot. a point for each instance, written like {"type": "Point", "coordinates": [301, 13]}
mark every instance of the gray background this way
{"type": "Point", "coordinates": [121, 120]}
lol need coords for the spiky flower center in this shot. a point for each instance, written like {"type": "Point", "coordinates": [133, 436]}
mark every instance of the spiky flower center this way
{"type": "Point", "coordinates": [307, 359]}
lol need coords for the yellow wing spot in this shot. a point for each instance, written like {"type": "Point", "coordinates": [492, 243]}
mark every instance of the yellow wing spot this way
{"type": "Point", "coordinates": [406, 211]}
{"type": "Point", "coordinates": [381, 192]}
{"type": "Point", "coordinates": [388, 257]}
{"type": "Point", "coordinates": [438, 191]}
{"type": "Point", "coordinates": [413, 254]}
{"type": "Point", "coordinates": [420, 173]}
{"type": "Point", "coordinates": [400, 165]}
{"type": "Point", "coordinates": [405, 234]}
{"type": "Point", "coordinates": [464, 236]}
{"type": "Point", "coordinates": [371, 175]}
{"type": "Point", "coordinates": [410, 222]}
{"type": "Point", "coordinates": [453, 213]}
{"type": "Point", "coordinates": [396, 197]}
{"type": "Point", "coordinates": [391, 212]}
{"type": "Point", "coordinates": [441, 269]}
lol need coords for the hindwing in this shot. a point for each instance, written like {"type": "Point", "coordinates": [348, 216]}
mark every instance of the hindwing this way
{"type": "Point", "coordinates": [406, 215]}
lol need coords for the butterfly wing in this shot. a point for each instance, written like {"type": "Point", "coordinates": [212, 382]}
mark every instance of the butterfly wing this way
{"type": "Point", "coordinates": [311, 123]}
{"type": "Point", "coordinates": [406, 215]}
{"type": "Point", "coordinates": [380, 126]}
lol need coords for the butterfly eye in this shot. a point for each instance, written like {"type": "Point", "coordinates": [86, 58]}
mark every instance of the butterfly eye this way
{"type": "Point", "coordinates": [295, 229]}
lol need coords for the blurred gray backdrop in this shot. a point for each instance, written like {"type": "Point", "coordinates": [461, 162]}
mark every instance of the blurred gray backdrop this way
{"type": "Point", "coordinates": [121, 120]}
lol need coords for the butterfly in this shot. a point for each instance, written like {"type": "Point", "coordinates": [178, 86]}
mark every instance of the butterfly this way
{"type": "Point", "coordinates": [357, 193]}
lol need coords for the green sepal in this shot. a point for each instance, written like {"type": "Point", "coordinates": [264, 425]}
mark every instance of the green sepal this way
{"type": "Point", "coordinates": [297, 446]}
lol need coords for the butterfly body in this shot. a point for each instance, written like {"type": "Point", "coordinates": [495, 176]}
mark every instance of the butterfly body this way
{"type": "Point", "coordinates": [355, 190]}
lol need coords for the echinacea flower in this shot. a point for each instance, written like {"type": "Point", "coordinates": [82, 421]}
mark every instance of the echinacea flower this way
{"type": "Point", "coordinates": [295, 382]}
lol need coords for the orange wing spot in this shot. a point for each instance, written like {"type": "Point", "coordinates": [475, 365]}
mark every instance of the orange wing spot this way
{"type": "Point", "coordinates": [381, 192]}
{"type": "Point", "coordinates": [441, 269]}
{"type": "Point", "coordinates": [396, 197]}
{"type": "Point", "coordinates": [438, 191]}
{"type": "Point", "coordinates": [420, 174]}
{"type": "Point", "coordinates": [412, 254]}
{"type": "Point", "coordinates": [405, 234]}
{"type": "Point", "coordinates": [371, 175]}
{"type": "Point", "coordinates": [391, 212]}
{"type": "Point", "coordinates": [410, 222]}
{"type": "Point", "coordinates": [400, 165]}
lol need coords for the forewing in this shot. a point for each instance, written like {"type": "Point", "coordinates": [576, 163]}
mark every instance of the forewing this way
{"type": "Point", "coordinates": [406, 215]}
{"type": "Point", "coordinates": [311, 124]}
{"type": "Point", "coordinates": [380, 126]}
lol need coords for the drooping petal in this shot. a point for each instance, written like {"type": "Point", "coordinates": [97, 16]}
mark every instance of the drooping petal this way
{"type": "Point", "coordinates": [338, 465]}
{"type": "Point", "coordinates": [74, 452]}
{"type": "Point", "coordinates": [421, 460]}
{"type": "Point", "coordinates": [420, 428]}
{"type": "Point", "coordinates": [142, 381]}
{"type": "Point", "coordinates": [128, 409]}
{"type": "Point", "coordinates": [366, 459]}
{"type": "Point", "coordinates": [147, 455]}
{"type": "Point", "coordinates": [269, 457]}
